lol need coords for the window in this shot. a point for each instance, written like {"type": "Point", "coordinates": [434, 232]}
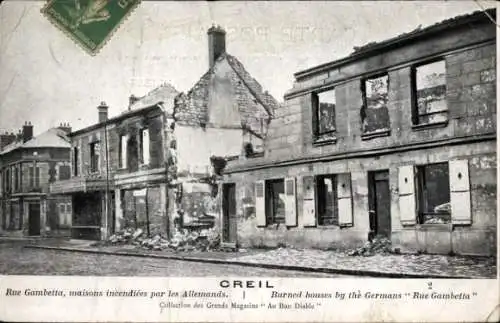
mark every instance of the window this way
{"type": "Point", "coordinates": [76, 162]}
{"type": "Point", "coordinates": [433, 193]}
{"type": "Point", "coordinates": [122, 159]}
{"type": "Point", "coordinates": [324, 110]}
{"type": "Point", "coordinates": [7, 180]}
{"type": "Point", "coordinates": [429, 93]}
{"type": "Point", "coordinates": [16, 178]}
{"type": "Point", "coordinates": [64, 215]}
{"type": "Point", "coordinates": [94, 157]}
{"type": "Point", "coordinates": [13, 178]}
{"type": "Point", "coordinates": [64, 172]}
{"type": "Point", "coordinates": [374, 114]}
{"type": "Point", "coordinates": [326, 188]}
{"type": "Point", "coordinates": [34, 174]}
{"type": "Point", "coordinates": [275, 200]}
{"type": "Point", "coordinates": [144, 146]}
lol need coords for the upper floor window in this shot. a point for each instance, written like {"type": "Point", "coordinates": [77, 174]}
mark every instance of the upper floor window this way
{"type": "Point", "coordinates": [34, 177]}
{"type": "Point", "coordinates": [429, 93]}
{"type": "Point", "coordinates": [324, 112]}
{"type": "Point", "coordinates": [144, 146]}
{"type": "Point", "coordinates": [17, 178]}
{"type": "Point", "coordinates": [122, 158]}
{"type": "Point", "coordinates": [94, 156]}
{"type": "Point", "coordinates": [374, 112]}
{"type": "Point", "coordinates": [64, 172]}
{"type": "Point", "coordinates": [7, 180]}
{"type": "Point", "coordinates": [76, 162]}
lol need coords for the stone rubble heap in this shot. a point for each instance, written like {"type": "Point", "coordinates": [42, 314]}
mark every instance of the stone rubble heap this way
{"type": "Point", "coordinates": [379, 245]}
{"type": "Point", "coordinates": [204, 240]}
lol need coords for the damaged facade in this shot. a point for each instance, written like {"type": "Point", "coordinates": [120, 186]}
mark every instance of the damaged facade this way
{"type": "Point", "coordinates": [397, 140]}
{"type": "Point", "coordinates": [158, 164]}
{"type": "Point", "coordinates": [28, 165]}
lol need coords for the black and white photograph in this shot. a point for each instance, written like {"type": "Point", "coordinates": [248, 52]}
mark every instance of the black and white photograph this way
{"type": "Point", "coordinates": [293, 140]}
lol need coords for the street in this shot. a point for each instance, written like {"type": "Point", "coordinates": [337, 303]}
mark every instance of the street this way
{"type": "Point", "coordinates": [16, 260]}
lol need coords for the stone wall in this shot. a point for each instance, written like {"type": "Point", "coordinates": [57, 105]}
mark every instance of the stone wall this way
{"type": "Point", "coordinates": [469, 134]}
{"type": "Point", "coordinates": [478, 238]}
{"type": "Point", "coordinates": [470, 60]}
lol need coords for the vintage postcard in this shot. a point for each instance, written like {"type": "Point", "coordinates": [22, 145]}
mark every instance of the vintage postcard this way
{"type": "Point", "coordinates": [248, 161]}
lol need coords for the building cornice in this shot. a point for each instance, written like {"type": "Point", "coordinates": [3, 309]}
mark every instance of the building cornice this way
{"type": "Point", "coordinates": [362, 153]}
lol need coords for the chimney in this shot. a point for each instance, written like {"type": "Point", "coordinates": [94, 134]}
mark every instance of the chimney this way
{"type": "Point", "coordinates": [103, 112]}
{"type": "Point", "coordinates": [27, 132]}
{"type": "Point", "coordinates": [65, 127]}
{"type": "Point", "coordinates": [216, 43]}
{"type": "Point", "coordinates": [131, 100]}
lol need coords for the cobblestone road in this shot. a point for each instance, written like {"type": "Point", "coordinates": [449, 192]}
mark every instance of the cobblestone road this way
{"type": "Point", "coordinates": [410, 264]}
{"type": "Point", "coordinates": [16, 260]}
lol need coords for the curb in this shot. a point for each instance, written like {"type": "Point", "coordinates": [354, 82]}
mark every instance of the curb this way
{"type": "Point", "coordinates": [365, 273]}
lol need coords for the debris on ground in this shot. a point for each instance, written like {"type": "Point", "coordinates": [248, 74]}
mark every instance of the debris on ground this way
{"type": "Point", "coordinates": [185, 240]}
{"type": "Point", "coordinates": [379, 245]}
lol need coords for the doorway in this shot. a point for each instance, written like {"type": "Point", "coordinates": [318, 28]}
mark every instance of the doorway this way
{"type": "Point", "coordinates": [379, 199]}
{"type": "Point", "coordinates": [34, 219]}
{"type": "Point", "coordinates": [229, 227]}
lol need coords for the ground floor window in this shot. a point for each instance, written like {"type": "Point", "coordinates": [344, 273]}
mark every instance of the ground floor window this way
{"type": "Point", "coordinates": [15, 217]}
{"type": "Point", "coordinates": [275, 201]}
{"type": "Point", "coordinates": [326, 190]}
{"type": "Point", "coordinates": [433, 193]}
{"type": "Point", "coordinates": [65, 215]}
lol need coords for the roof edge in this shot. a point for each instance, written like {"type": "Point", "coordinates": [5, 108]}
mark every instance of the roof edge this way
{"type": "Point", "coordinates": [398, 41]}
{"type": "Point", "coordinates": [116, 118]}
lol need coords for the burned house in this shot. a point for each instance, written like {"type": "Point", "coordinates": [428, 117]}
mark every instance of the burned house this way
{"type": "Point", "coordinates": [397, 139]}
{"type": "Point", "coordinates": [116, 165]}
{"type": "Point", "coordinates": [156, 165]}
{"type": "Point", "coordinates": [28, 164]}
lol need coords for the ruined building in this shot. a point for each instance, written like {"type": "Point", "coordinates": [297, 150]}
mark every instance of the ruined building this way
{"type": "Point", "coordinates": [156, 165]}
{"type": "Point", "coordinates": [28, 164]}
{"type": "Point", "coordinates": [397, 139]}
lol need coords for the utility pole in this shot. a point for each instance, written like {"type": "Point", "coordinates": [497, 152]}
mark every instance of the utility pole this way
{"type": "Point", "coordinates": [106, 194]}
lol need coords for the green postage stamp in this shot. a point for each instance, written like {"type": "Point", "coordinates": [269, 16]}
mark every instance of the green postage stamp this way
{"type": "Point", "coordinates": [89, 22]}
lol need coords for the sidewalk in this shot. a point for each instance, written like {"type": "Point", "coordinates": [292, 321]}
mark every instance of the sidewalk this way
{"type": "Point", "coordinates": [394, 266]}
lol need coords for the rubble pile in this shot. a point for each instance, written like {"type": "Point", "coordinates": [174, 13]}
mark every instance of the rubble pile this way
{"type": "Point", "coordinates": [379, 245]}
{"type": "Point", "coordinates": [185, 240]}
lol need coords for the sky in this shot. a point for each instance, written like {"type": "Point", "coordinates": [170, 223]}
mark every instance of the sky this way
{"type": "Point", "coordinates": [45, 78]}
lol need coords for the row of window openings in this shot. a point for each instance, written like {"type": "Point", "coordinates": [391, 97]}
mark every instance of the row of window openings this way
{"type": "Point", "coordinates": [428, 94]}
{"type": "Point", "coordinates": [124, 148]}
{"type": "Point", "coordinates": [33, 177]}
{"type": "Point", "coordinates": [433, 197]}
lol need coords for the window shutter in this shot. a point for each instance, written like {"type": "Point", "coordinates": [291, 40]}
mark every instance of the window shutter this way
{"type": "Point", "coordinates": [460, 192]}
{"type": "Point", "coordinates": [344, 195]}
{"type": "Point", "coordinates": [260, 203]}
{"type": "Point", "coordinates": [315, 109]}
{"type": "Point", "coordinates": [407, 205]}
{"type": "Point", "coordinates": [37, 177]}
{"type": "Point", "coordinates": [32, 176]}
{"type": "Point", "coordinates": [290, 202]}
{"type": "Point", "coordinates": [309, 207]}
{"type": "Point", "coordinates": [145, 146]}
